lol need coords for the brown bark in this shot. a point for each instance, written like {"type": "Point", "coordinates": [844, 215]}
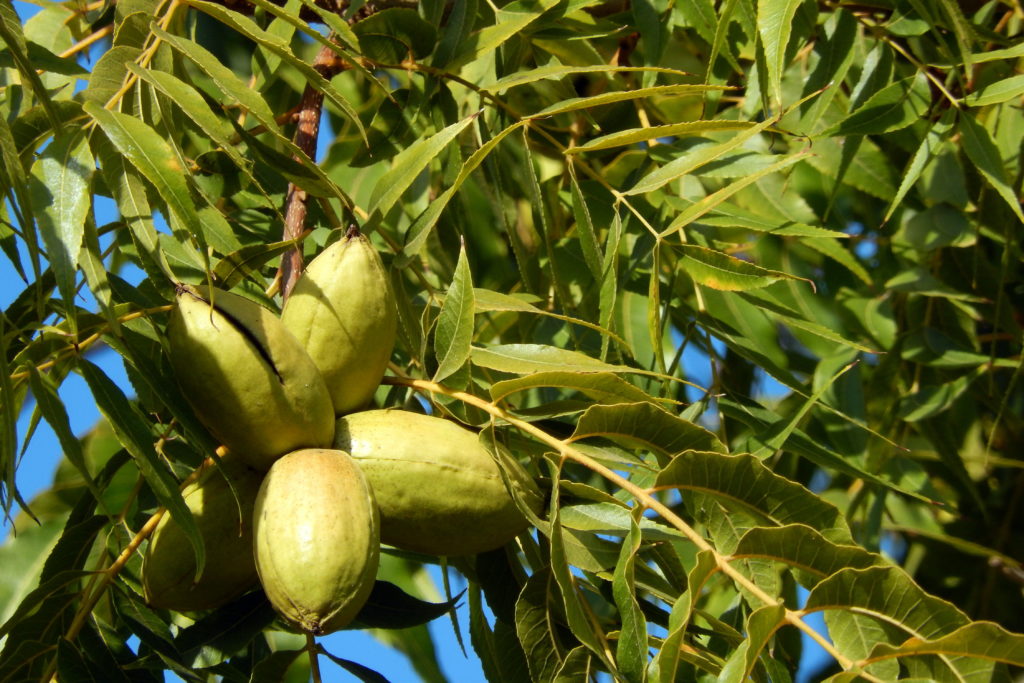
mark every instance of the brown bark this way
{"type": "Point", "coordinates": [306, 134]}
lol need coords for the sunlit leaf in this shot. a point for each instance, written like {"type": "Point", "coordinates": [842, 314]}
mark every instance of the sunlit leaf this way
{"type": "Point", "coordinates": [775, 25]}
{"type": "Point", "coordinates": [59, 185]}
{"type": "Point", "coordinates": [454, 334]}
{"type": "Point", "coordinates": [409, 164]}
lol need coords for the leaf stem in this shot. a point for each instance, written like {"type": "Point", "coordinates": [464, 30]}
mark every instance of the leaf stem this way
{"type": "Point", "coordinates": [110, 573]}
{"type": "Point", "coordinates": [792, 617]}
{"type": "Point", "coordinates": [314, 661]}
{"type": "Point", "coordinates": [78, 347]}
{"type": "Point", "coordinates": [305, 138]}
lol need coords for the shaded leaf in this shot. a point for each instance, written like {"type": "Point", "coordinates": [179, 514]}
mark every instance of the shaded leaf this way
{"type": "Point", "coordinates": [647, 426]}
{"type": "Point", "coordinates": [743, 483]}
{"type": "Point", "coordinates": [984, 154]}
{"type": "Point", "coordinates": [726, 273]}
{"type": "Point", "coordinates": [390, 607]}
{"type": "Point", "coordinates": [133, 432]}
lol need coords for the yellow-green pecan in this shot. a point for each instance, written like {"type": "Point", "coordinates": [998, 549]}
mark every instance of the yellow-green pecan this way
{"type": "Point", "coordinates": [343, 312]}
{"type": "Point", "coordinates": [226, 526]}
{"type": "Point", "coordinates": [439, 490]}
{"type": "Point", "coordinates": [249, 380]}
{"type": "Point", "coordinates": [317, 539]}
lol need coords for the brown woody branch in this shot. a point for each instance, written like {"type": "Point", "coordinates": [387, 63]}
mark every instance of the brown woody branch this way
{"type": "Point", "coordinates": [306, 133]}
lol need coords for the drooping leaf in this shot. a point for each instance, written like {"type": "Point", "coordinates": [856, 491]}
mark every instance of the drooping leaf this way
{"type": "Point", "coordinates": [631, 648]}
{"type": "Point", "coordinates": [454, 334]}
{"type": "Point", "coordinates": [133, 432]}
{"type": "Point", "coordinates": [409, 164]}
{"type": "Point", "coordinates": [775, 26]}
{"type": "Point", "coordinates": [726, 273]}
{"type": "Point", "coordinates": [981, 639]}
{"type": "Point", "coordinates": [742, 482]}
{"type": "Point", "coordinates": [648, 426]}
{"type": "Point", "coordinates": [60, 188]}
{"type": "Point", "coordinates": [891, 108]}
{"type": "Point", "coordinates": [600, 386]}
{"type": "Point", "coordinates": [984, 154]}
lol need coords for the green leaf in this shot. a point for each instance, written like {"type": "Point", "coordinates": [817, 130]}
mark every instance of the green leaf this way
{"type": "Point", "coordinates": [994, 93]}
{"type": "Point", "coordinates": [726, 273]}
{"type": "Point", "coordinates": [134, 434]}
{"type": "Point", "coordinates": [666, 660]}
{"type": "Point", "coordinates": [129, 192]}
{"type": "Point", "coordinates": [811, 555]}
{"type": "Point", "coordinates": [890, 598]}
{"type": "Point", "coordinates": [613, 519]}
{"type": "Point", "coordinates": [760, 627]}
{"type": "Point", "coordinates": [537, 625]}
{"type": "Point", "coordinates": [523, 359]}
{"type": "Point", "coordinates": [981, 639]}
{"type": "Point", "coordinates": [44, 60]}
{"type": "Point", "coordinates": [602, 387]}
{"type": "Point", "coordinates": [694, 211]}
{"type": "Point", "coordinates": [961, 29]}
{"type": "Point", "coordinates": [634, 136]}
{"type": "Point", "coordinates": [557, 71]}
{"type": "Point", "coordinates": [272, 668]}
{"type": "Point", "coordinates": [582, 627]}
{"type": "Point", "coordinates": [934, 399]}
{"type": "Point", "coordinates": [985, 156]}
{"type": "Point", "coordinates": [409, 164]}
{"type": "Point", "coordinates": [55, 413]}
{"type": "Point", "coordinates": [60, 185]}
{"type": "Point", "coordinates": [894, 107]}
{"type": "Point", "coordinates": [246, 262]}
{"type": "Point", "coordinates": [775, 25]}
{"type": "Point", "coordinates": [455, 31]}
{"type": "Point", "coordinates": [508, 24]}
{"type": "Point", "coordinates": [577, 103]}
{"type": "Point", "coordinates": [223, 77]}
{"type": "Point", "coordinates": [647, 426]}
{"type": "Point", "coordinates": [631, 648]}
{"type": "Point", "coordinates": [13, 36]}
{"type": "Point", "coordinates": [995, 55]}
{"type": "Point", "coordinates": [155, 160]}
{"type": "Point", "coordinates": [280, 47]}
{"type": "Point", "coordinates": [731, 215]}
{"type": "Point", "coordinates": [23, 557]}
{"type": "Point", "coordinates": [694, 159]}
{"type": "Point", "coordinates": [487, 300]}
{"type": "Point", "coordinates": [585, 227]}
{"type": "Point", "coordinates": [363, 673]}
{"type": "Point", "coordinates": [213, 639]}
{"type": "Point", "coordinates": [454, 335]}
{"type": "Point", "coordinates": [841, 255]}
{"type": "Point", "coordinates": [420, 230]}
{"type": "Point", "coordinates": [390, 607]}
{"type": "Point", "coordinates": [742, 483]}
{"type": "Point", "coordinates": [395, 34]}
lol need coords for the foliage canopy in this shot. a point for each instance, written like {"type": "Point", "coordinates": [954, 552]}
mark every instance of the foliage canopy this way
{"type": "Point", "coordinates": [739, 282]}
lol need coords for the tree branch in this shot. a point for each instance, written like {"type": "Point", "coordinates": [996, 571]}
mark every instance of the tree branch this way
{"type": "Point", "coordinates": [306, 134]}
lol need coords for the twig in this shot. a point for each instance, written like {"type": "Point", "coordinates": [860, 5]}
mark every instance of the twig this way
{"type": "Point", "coordinates": [326, 64]}
{"type": "Point", "coordinates": [643, 496]}
{"type": "Point", "coordinates": [314, 661]}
